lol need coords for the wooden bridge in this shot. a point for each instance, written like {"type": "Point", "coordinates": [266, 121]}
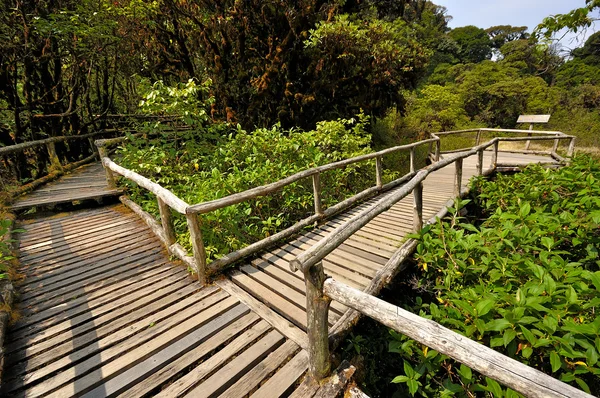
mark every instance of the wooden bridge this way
{"type": "Point", "coordinates": [106, 312]}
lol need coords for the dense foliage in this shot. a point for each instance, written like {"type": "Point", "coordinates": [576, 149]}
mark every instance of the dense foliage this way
{"type": "Point", "coordinates": [201, 169]}
{"type": "Point", "coordinates": [525, 281]}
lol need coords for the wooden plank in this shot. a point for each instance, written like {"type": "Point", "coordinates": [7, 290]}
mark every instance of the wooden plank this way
{"type": "Point", "coordinates": [258, 373]}
{"type": "Point", "coordinates": [228, 374]}
{"type": "Point", "coordinates": [146, 343]}
{"type": "Point", "coordinates": [184, 384]}
{"type": "Point", "coordinates": [533, 119]}
{"type": "Point", "coordinates": [281, 289]}
{"type": "Point", "coordinates": [116, 343]}
{"type": "Point", "coordinates": [203, 351]}
{"type": "Point", "coordinates": [277, 321]}
{"type": "Point", "coordinates": [291, 280]}
{"type": "Point", "coordinates": [76, 322]}
{"type": "Point", "coordinates": [158, 360]}
{"type": "Point", "coordinates": [78, 338]}
{"type": "Point", "coordinates": [284, 379]}
{"type": "Point", "coordinates": [92, 275]}
{"type": "Point", "coordinates": [307, 389]}
{"type": "Point", "coordinates": [277, 303]}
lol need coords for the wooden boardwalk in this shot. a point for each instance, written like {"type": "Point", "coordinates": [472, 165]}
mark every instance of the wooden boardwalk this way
{"type": "Point", "coordinates": [85, 183]}
{"type": "Point", "coordinates": [106, 313]}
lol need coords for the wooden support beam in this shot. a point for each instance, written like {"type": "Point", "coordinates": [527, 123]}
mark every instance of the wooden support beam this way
{"type": "Point", "coordinates": [316, 179]}
{"type": "Point", "coordinates": [197, 246]}
{"type": "Point", "coordinates": [413, 165]}
{"type": "Point", "coordinates": [571, 149]}
{"type": "Point", "coordinates": [458, 174]}
{"type": "Point", "coordinates": [521, 378]}
{"type": "Point", "coordinates": [478, 138]}
{"type": "Point", "coordinates": [418, 207]}
{"type": "Point", "coordinates": [528, 142]}
{"type": "Point", "coordinates": [480, 162]}
{"type": "Point", "coordinates": [495, 155]}
{"type": "Point", "coordinates": [437, 150]}
{"type": "Point", "coordinates": [110, 177]}
{"type": "Point", "coordinates": [166, 219]}
{"type": "Point", "coordinates": [54, 160]}
{"type": "Point", "coordinates": [379, 171]}
{"type": "Point", "coordinates": [555, 146]}
{"type": "Point", "coordinates": [317, 312]}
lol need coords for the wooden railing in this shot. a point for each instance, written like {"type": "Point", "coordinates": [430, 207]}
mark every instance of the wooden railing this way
{"type": "Point", "coordinates": [321, 289]}
{"type": "Point", "coordinates": [56, 168]}
{"type": "Point", "coordinates": [541, 136]}
{"type": "Point", "coordinates": [168, 201]}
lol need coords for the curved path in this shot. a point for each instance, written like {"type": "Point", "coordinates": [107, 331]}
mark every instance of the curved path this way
{"type": "Point", "coordinates": [105, 312]}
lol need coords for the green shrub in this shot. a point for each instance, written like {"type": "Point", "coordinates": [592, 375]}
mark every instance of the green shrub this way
{"type": "Point", "coordinates": [525, 282]}
{"type": "Point", "coordinates": [198, 170]}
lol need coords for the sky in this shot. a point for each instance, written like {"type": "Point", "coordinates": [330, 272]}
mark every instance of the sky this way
{"type": "Point", "coordinates": [486, 13]}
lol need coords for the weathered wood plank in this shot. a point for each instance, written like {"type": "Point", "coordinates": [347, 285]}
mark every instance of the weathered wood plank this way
{"type": "Point", "coordinates": [285, 377]}
{"type": "Point", "coordinates": [193, 377]}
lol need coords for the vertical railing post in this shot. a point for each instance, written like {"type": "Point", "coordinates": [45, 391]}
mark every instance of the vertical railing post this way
{"type": "Point", "coordinates": [316, 179]}
{"type": "Point", "coordinates": [166, 219]}
{"type": "Point", "coordinates": [54, 160]}
{"type": "Point", "coordinates": [480, 162]}
{"type": "Point", "coordinates": [459, 171]}
{"type": "Point", "coordinates": [555, 147]}
{"type": "Point", "coordinates": [413, 165]}
{"type": "Point", "coordinates": [528, 142]}
{"type": "Point", "coordinates": [197, 246]}
{"type": "Point", "coordinates": [379, 171]}
{"type": "Point", "coordinates": [495, 155]}
{"type": "Point", "coordinates": [571, 149]}
{"type": "Point", "coordinates": [437, 150]}
{"type": "Point", "coordinates": [478, 139]}
{"type": "Point", "coordinates": [110, 178]}
{"type": "Point", "coordinates": [418, 207]}
{"type": "Point", "coordinates": [317, 310]}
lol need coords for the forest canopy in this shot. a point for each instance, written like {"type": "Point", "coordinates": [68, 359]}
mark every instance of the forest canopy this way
{"type": "Point", "coordinates": [66, 65]}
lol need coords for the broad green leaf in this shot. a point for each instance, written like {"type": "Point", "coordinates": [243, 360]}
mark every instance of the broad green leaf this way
{"type": "Point", "coordinates": [497, 325]}
{"type": "Point", "coordinates": [555, 361]}
{"type": "Point", "coordinates": [508, 336]}
{"type": "Point", "coordinates": [400, 379]}
{"type": "Point", "coordinates": [494, 387]}
{"type": "Point", "coordinates": [484, 306]}
{"type": "Point", "coordinates": [413, 386]}
{"type": "Point", "coordinates": [465, 372]}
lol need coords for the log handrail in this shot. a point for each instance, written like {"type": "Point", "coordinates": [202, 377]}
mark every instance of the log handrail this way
{"type": "Point", "coordinates": [320, 289]}
{"type": "Point", "coordinates": [264, 190]}
{"type": "Point", "coordinates": [52, 140]}
{"type": "Point", "coordinates": [168, 200]}
{"type": "Point", "coordinates": [512, 373]}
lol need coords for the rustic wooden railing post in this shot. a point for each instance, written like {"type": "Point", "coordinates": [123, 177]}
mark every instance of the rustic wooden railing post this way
{"type": "Point", "coordinates": [528, 142]}
{"type": "Point", "coordinates": [459, 172]}
{"type": "Point", "coordinates": [437, 150]}
{"type": "Point", "coordinates": [166, 219]}
{"type": "Point", "coordinates": [413, 165]}
{"type": "Point", "coordinates": [110, 178]}
{"type": "Point", "coordinates": [379, 171]}
{"type": "Point", "coordinates": [478, 138]}
{"type": "Point", "coordinates": [480, 162]}
{"type": "Point", "coordinates": [54, 160]}
{"type": "Point", "coordinates": [571, 149]}
{"type": "Point", "coordinates": [316, 179]}
{"type": "Point", "coordinates": [555, 147]}
{"type": "Point", "coordinates": [197, 246]}
{"type": "Point", "coordinates": [418, 207]}
{"type": "Point", "coordinates": [495, 155]}
{"type": "Point", "coordinates": [317, 310]}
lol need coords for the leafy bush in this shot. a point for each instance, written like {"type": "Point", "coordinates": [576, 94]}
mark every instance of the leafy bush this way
{"type": "Point", "coordinates": [525, 282]}
{"type": "Point", "coordinates": [198, 170]}
{"type": "Point", "coordinates": [6, 256]}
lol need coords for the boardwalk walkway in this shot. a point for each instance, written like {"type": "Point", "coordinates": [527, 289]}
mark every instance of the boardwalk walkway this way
{"type": "Point", "coordinates": [106, 313]}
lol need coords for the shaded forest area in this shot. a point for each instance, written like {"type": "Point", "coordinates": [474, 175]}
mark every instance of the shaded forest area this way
{"type": "Point", "coordinates": [66, 64]}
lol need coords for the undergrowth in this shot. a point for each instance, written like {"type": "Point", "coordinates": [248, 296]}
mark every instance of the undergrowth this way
{"type": "Point", "coordinates": [524, 280]}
